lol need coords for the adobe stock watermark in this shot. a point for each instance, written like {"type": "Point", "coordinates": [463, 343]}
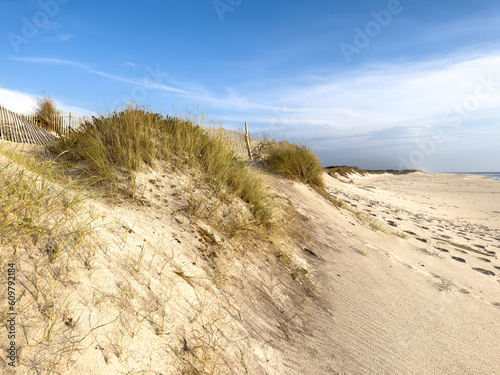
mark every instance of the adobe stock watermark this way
{"type": "Point", "coordinates": [139, 93]}
{"type": "Point", "coordinates": [39, 20]}
{"type": "Point", "coordinates": [455, 117]}
{"type": "Point", "coordinates": [12, 353]}
{"type": "Point", "coordinates": [372, 29]}
{"type": "Point", "coordinates": [223, 6]}
{"type": "Point", "coordinates": [281, 122]}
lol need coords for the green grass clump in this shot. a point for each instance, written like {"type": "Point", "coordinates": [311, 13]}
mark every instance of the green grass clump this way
{"type": "Point", "coordinates": [117, 145]}
{"type": "Point", "coordinates": [47, 113]}
{"type": "Point", "coordinates": [296, 162]}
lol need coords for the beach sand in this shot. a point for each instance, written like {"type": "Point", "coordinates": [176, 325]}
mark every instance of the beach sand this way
{"type": "Point", "coordinates": [405, 281]}
{"type": "Point", "coordinates": [409, 279]}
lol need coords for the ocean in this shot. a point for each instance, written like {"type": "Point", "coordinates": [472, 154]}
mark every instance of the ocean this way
{"type": "Point", "coordinates": [492, 175]}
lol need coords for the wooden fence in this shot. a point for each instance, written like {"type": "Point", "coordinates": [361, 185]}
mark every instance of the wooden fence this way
{"type": "Point", "coordinates": [236, 140]}
{"type": "Point", "coordinates": [15, 128]}
{"type": "Point", "coordinates": [23, 128]}
{"type": "Point", "coordinates": [61, 124]}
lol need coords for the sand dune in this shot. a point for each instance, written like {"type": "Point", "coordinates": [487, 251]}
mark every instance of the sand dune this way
{"type": "Point", "coordinates": [402, 280]}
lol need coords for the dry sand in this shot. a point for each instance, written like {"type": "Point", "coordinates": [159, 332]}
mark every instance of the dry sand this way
{"type": "Point", "coordinates": [420, 305]}
{"type": "Point", "coordinates": [406, 283]}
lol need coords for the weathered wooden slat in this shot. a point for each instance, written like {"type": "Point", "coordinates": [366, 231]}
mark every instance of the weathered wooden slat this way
{"type": "Point", "coordinates": [12, 133]}
{"type": "Point", "coordinates": [23, 132]}
{"type": "Point", "coordinates": [1, 121]}
{"type": "Point", "coordinates": [22, 129]}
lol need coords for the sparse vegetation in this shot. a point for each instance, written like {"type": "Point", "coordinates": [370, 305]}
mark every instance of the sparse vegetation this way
{"type": "Point", "coordinates": [362, 252]}
{"type": "Point", "coordinates": [445, 285]}
{"type": "Point", "coordinates": [366, 188]}
{"type": "Point", "coordinates": [46, 235]}
{"type": "Point", "coordinates": [402, 235]}
{"type": "Point", "coordinates": [345, 171]}
{"type": "Point", "coordinates": [375, 225]}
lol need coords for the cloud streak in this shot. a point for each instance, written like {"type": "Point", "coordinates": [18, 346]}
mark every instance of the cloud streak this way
{"type": "Point", "coordinates": [89, 69]}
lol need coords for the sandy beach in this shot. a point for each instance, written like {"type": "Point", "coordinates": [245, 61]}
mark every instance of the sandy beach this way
{"type": "Point", "coordinates": [410, 277]}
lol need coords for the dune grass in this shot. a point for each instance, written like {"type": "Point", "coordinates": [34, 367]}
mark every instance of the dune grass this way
{"type": "Point", "coordinates": [297, 162]}
{"type": "Point", "coordinates": [46, 113]}
{"type": "Point", "coordinates": [43, 234]}
{"type": "Point", "coordinates": [115, 146]}
{"type": "Point", "coordinates": [32, 207]}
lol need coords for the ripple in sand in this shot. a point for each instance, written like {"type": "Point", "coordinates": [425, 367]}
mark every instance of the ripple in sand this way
{"type": "Point", "coordinates": [458, 259]}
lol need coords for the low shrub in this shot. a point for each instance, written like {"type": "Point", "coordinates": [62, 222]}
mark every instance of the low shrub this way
{"type": "Point", "coordinates": [297, 162]}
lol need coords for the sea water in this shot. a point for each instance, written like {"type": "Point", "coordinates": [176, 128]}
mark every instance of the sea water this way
{"type": "Point", "coordinates": [491, 175]}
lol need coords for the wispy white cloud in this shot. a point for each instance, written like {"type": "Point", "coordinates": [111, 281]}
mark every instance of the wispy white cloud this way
{"type": "Point", "coordinates": [90, 69]}
{"type": "Point", "coordinates": [23, 102]}
{"type": "Point", "coordinates": [127, 63]}
{"type": "Point", "coordinates": [375, 97]}
{"type": "Point", "coordinates": [49, 25]}
{"type": "Point", "coordinates": [64, 37]}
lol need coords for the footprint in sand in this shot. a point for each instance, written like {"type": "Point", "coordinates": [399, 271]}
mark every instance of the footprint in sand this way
{"type": "Point", "coordinates": [482, 270]}
{"type": "Point", "coordinates": [442, 249]}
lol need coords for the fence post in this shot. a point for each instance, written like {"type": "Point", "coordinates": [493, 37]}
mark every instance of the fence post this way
{"type": "Point", "coordinates": [248, 141]}
{"type": "Point", "coordinates": [70, 127]}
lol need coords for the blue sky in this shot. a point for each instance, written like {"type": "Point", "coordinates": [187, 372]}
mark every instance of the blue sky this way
{"type": "Point", "coordinates": [377, 84]}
